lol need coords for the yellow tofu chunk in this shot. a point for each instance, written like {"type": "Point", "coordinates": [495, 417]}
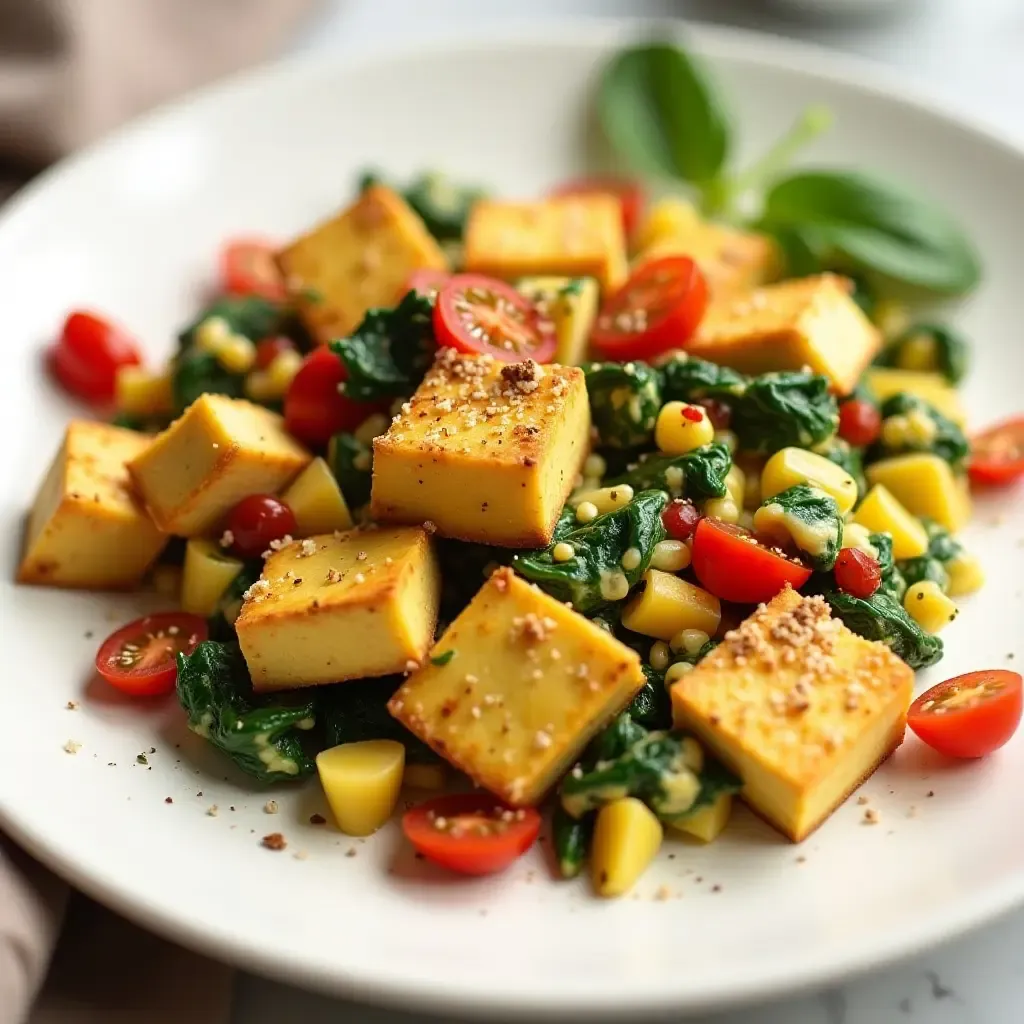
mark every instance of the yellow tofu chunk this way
{"type": "Point", "coordinates": [217, 452]}
{"type": "Point", "coordinates": [810, 321]}
{"type": "Point", "coordinates": [571, 303]}
{"type": "Point", "coordinates": [341, 606]}
{"type": "Point", "coordinates": [516, 687]}
{"type": "Point", "coordinates": [574, 236]}
{"type": "Point", "coordinates": [925, 485]}
{"type": "Point", "coordinates": [884, 382]}
{"type": "Point", "coordinates": [359, 260]}
{"type": "Point", "coordinates": [799, 707]}
{"type": "Point", "coordinates": [87, 528]}
{"type": "Point", "coordinates": [484, 450]}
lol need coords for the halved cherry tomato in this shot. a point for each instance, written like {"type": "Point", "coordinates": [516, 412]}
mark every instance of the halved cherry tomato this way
{"type": "Point", "coordinates": [860, 422]}
{"type": "Point", "coordinates": [269, 349]}
{"type": "Point", "coordinates": [140, 658]}
{"type": "Point", "coordinates": [472, 833]}
{"type": "Point", "coordinates": [479, 314]}
{"type": "Point", "coordinates": [969, 715]}
{"type": "Point", "coordinates": [857, 573]}
{"type": "Point", "coordinates": [718, 412]}
{"type": "Point", "coordinates": [629, 193]}
{"type": "Point", "coordinates": [731, 564]}
{"type": "Point", "coordinates": [88, 355]}
{"type": "Point", "coordinates": [256, 521]}
{"type": "Point", "coordinates": [314, 408]}
{"type": "Point", "coordinates": [247, 267]}
{"type": "Point", "coordinates": [680, 518]}
{"type": "Point", "coordinates": [997, 455]}
{"type": "Point", "coordinates": [658, 308]}
{"type": "Point", "coordinates": [427, 281]}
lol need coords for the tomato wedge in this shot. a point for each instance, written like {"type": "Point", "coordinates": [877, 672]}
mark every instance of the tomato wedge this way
{"type": "Point", "coordinates": [969, 715]}
{"type": "Point", "coordinates": [472, 833]}
{"type": "Point", "coordinates": [731, 564]}
{"type": "Point", "coordinates": [629, 194]}
{"type": "Point", "coordinates": [427, 281]}
{"type": "Point", "coordinates": [247, 267]}
{"type": "Point", "coordinates": [140, 658]}
{"type": "Point", "coordinates": [657, 309]}
{"type": "Point", "coordinates": [478, 314]}
{"type": "Point", "coordinates": [997, 455]}
{"type": "Point", "coordinates": [88, 355]}
{"type": "Point", "coordinates": [857, 573]}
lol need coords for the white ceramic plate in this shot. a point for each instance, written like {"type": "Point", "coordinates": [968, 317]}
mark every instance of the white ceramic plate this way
{"type": "Point", "coordinates": [131, 227]}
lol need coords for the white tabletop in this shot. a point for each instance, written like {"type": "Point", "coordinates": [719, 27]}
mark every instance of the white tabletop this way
{"type": "Point", "coordinates": [969, 52]}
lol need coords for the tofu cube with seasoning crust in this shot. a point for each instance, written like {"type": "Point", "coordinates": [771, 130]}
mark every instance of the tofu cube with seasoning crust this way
{"type": "Point", "coordinates": [217, 452]}
{"type": "Point", "coordinates": [574, 236]}
{"type": "Point", "coordinates": [807, 322]}
{"type": "Point", "coordinates": [87, 528]}
{"type": "Point", "coordinates": [341, 606]}
{"type": "Point", "coordinates": [516, 687]}
{"type": "Point", "coordinates": [486, 451]}
{"type": "Point", "coordinates": [357, 261]}
{"type": "Point", "coordinates": [802, 709]}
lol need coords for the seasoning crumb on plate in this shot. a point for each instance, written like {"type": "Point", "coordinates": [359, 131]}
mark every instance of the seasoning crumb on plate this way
{"type": "Point", "coordinates": [274, 841]}
{"type": "Point", "coordinates": [317, 819]}
{"type": "Point", "coordinates": [270, 807]}
{"type": "Point", "coordinates": [871, 816]}
{"type": "Point", "coordinates": [72, 747]}
{"type": "Point", "coordinates": [72, 705]}
{"type": "Point", "coordinates": [212, 811]}
{"type": "Point", "coordinates": [351, 851]}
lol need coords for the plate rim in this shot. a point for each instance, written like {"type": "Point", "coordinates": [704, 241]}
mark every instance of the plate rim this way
{"type": "Point", "coordinates": [862, 75]}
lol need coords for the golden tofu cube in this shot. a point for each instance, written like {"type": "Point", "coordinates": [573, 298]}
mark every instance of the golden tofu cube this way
{"type": "Point", "coordinates": [87, 528]}
{"type": "Point", "coordinates": [484, 450]}
{"type": "Point", "coordinates": [516, 687]}
{"type": "Point", "coordinates": [341, 606]}
{"type": "Point", "coordinates": [799, 707]}
{"type": "Point", "coordinates": [808, 322]}
{"type": "Point", "coordinates": [217, 452]}
{"type": "Point", "coordinates": [359, 260]}
{"type": "Point", "coordinates": [574, 236]}
{"type": "Point", "coordinates": [571, 303]}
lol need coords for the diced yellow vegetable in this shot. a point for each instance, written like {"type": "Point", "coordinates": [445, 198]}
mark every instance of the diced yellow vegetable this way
{"type": "Point", "coordinates": [918, 353]}
{"type": "Point", "coordinates": [883, 382]}
{"type": "Point", "coordinates": [681, 427]}
{"type": "Point", "coordinates": [880, 512]}
{"type": "Point", "coordinates": [925, 485]}
{"type": "Point", "coordinates": [669, 604]}
{"type": "Point", "coordinates": [928, 606]}
{"type": "Point", "coordinates": [627, 837]}
{"type": "Point", "coordinates": [283, 369]}
{"type": "Point", "coordinates": [425, 776]}
{"type": "Point", "coordinates": [965, 575]}
{"type": "Point", "coordinates": [792, 466]}
{"type": "Point", "coordinates": [237, 354]}
{"type": "Point", "coordinates": [317, 502]}
{"type": "Point", "coordinates": [859, 537]}
{"type": "Point", "coordinates": [208, 573]}
{"type": "Point", "coordinates": [212, 333]}
{"type": "Point", "coordinates": [571, 303]}
{"type": "Point", "coordinates": [708, 823]}
{"type": "Point", "coordinates": [362, 782]}
{"type": "Point", "coordinates": [139, 392]}
{"type": "Point", "coordinates": [724, 509]}
{"type": "Point", "coordinates": [891, 317]}
{"type": "Point", "coordinates": [736, 485]}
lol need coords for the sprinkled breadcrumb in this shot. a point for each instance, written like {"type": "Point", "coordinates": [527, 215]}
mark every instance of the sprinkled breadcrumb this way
{"type": "Point", "coordinates": [227, 539]}
{"type": "Point", "coordinates": [871, 816]}
{"type": "Point", "coordinates": [270, 807]}
{"type": "Point", "coordinates": [72, 747]}
{"type": "Point", "coordinates": [274, 841]}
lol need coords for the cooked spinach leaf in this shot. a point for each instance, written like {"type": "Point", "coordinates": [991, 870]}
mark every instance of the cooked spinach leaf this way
{"type": "Point", "coordinates": [442, 204]}
{"type": "Point", "coordinates": [806, 517]}
{"type": "Point", "coordinates": [783, 410]}
{"type": "Point", "coordinates": [910, 424]}
{"type": "Point", "coordinates": [624, 402]}
{"type": "Point", "coordinates": [686, 378]}
{"type": "Point", "coordinates": [652, 706]}
{"type": "Point", "coordinates": [351, 462]}
{"type": "Point", "coordinates": [928, 347]}
{"type": "Point", "coordinates": [250, 316]}
{"type": "Point", "coordinates": [892, 582]}
{"type": "Point", "coordinates": [614, 740]}
{"type": "Point", "coordinates": [943, 548]}
{"type": "Point", "coordinates": [882, 617]}
{"type": "Point", "coordinates": [195, 373]}
{"type": "Point", "coordinates": [715, 781]}
{"type": "Point", "coordinates": [697, 475]}
{"type": "Point", "coordinates": [844, 455]}
{"type": "Point", "coordinates": [571, 838]}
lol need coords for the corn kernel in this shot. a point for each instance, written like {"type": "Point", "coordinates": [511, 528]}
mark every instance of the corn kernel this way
{"type": "Point", "coordinates": [724, 509]}
{"type": "Point", "coordinates": [670, 555]}
{"type": "Point", "coordinates": [425, 776]}
{"type": "Point", "coordinates": [918, 353]}
{"type": "Point", "coordinates": [563, 552]}
{"type": "Point", "coordinates": [689, 640]}
{"type": "Point", "coordinates": [631, 559]}
{"type": "Point", "coordinates": [282, 370]}
{"type": "Point", "coordinates": [676, 671]}
{"type": "Point", "coordinates": [212, 333]}
{"type": "Point", "coordinates": [586, 511]}
{"type": "Point", "coordinates": [139, 392]}
{"type": "Point", "coordinates": [736, 484]}
{"type": "Point", "coordinates": [259, 387]}
{"type": "Point", "coordinates": [627, 837]}
{"type": "Point", "coordinates": [965, 575]}
{"type": "Point", "coordinates": [595, 466]}
{"type": "Point", "coordinates": [668, 604]}
{"type": "Point", "coordinates": [792, 466]}
{"type": "Point", "coordinates": [928, 606]}
{"type": "Point", "coordinates": [666, 220]}
{"type": "Point", "coordinates": [604, 499]}
{"type": "Point", "coordinates": [614, 586]}
{"type": "Point", "coordinates": [237, 354]}
{"type": "Point", "coordinates": [680, 428]}
{"type": "Point", "coordinates": [373, 426]}
{"type": "Point", "coordinates": [659, 656]}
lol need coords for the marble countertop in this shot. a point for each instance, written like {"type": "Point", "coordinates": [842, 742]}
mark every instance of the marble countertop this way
{"type": "Point", "coordinates": [969, 53]}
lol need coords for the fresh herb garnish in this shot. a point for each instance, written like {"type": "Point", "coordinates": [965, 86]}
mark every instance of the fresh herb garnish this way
{"type": "Point", "coordinates": [443, 659]}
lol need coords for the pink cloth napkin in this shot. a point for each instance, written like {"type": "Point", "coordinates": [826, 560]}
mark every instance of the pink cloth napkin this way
{"type": "Point", "coordinates": [70, 70]}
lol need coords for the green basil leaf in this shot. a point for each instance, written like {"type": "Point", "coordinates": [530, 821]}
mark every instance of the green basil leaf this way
{"type": "Point", "coordinates": [663, 115]}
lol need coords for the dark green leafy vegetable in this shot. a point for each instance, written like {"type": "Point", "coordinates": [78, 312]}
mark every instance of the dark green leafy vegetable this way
{"type": "Point", "coordinates": [910, 424]}
{"type": "Point", "coordinates": [917, 570]}
{"type": "Point", "coordinates": [697, 475]}
{"type": "Point", "coordinates": [195, 373]}
{"type": "Point", "coordinates": [943, 548]}
{"type": "Point", "coordinates": [844, 455]}
{"type": "Point", "coordinates": [600, 544]}
{"type": "Point", "coordinates": [126, 421]}
{"type": "Point", "coordinates": [260, 735]}
{"type": "Point", "coordinates": [614, 740]}
{"type": "Point", "coordinates": [693, 659]}
{"type": "Point", "coordinates": [351, 462]}
{"type": "Point", "coordinates": [652, 707]}
{"type": "Point", "coordinates": [783, 410]}
{"type": "Point", "coordinates": [688, 379]}
{"type": "Point", "coordinates": [882, 617]}
{"type": "Point", "coordinates": [715, 781]}
{"type": "Point", "coordinates": [892, 582]}
{"type": "Point", "coordinates": [250, 316]}
{"type": "Point", "coordinates": [464, 567]}
{"type": "Point", "coordinates": [807, 517]}
{"type": "Point", "coordinates": [443, 204]}
{"type": "Point", "coordinates": [937, 348]}
{"type": "Point", "coordinates": [390, 351]}
{"type": "Point", "coordinates": [571, 838]}
{"type": "Point", "coordinates": [624, 402]}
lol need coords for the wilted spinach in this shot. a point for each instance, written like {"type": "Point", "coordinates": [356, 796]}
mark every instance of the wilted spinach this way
{"type": "Point", "coordinates": [882, 617]}
{"type": "Point", "coordinates": [571, 838]}
{"type": "Point", "coordinates": [652, 706]}
{"type": "Point", "coordinates": [844, 455]}
{"type": "Point", "coordinates": [443, 204]}
{"type": "Point", "coordinates": [195, 373]}
{"type": "Point", "coordinates": [806, 517]}
{"type": "Point", "coordinates": [686, 378]}
{"type": "Point", "coordinates": [910, 424]}
{"type": "Point", "coordinates": [943, 548]}
{"type": "Point", "coordinates": [928, 347]}
{"type": "Point", "coordinates": [624, 402]}
{"type": "Point", "coordinates": [892, 581]}
{"type": "Point", "coordinates": [698, 475]}
{"type": "Point", "coordinates": [248, 315]}
{"type": "Point", "coordinates": [784, 410]}
{"type": "Point", "coordinates": [351, 462]}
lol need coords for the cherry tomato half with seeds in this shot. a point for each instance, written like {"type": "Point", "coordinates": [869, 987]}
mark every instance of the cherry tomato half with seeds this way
{"type": "Point", "coordinates": [657, 309]}
{"type": "Point", "coordinates": [997, 455]}
{"type": "Point", "coordinates": [860, 422]}
{"type": "Point", "coordinates": [269, 349]}
{"type": "Point", "coordinates": [680, 517]}
{"type": "Point", "coordinates": [247, 267]}
{"type": "Point", "coordinates": [478, 314]}
{"type": "Point", "coordinates": [140, 658]}
{"type": "Point", "coordinates": [629, 194]}
{"type": "Point", "coordinates": [88, 355]}
{"type": "Point", "coordinates": [970, 715]}
{"type": "Point", "coordinates": [472, 833]}
{"type": "Point", "coordinates": [258, 520]}
{"type": "Point", "coordinates": [857, 573]}
{"type": "Point", "coordinates": [427, 281]}
{"type": "Point", "coordinates": [733, 565]}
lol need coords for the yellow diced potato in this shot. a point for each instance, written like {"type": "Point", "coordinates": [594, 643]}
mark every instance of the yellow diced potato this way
{"type": "Point", "coordinates": [884, 382]}
{"type": "Point", "coordinates": [316, 501]}
{"type": "Point", "coordinates": [209, 571]}
{"type": "Point", "coordinates": [792, 466]}
{"type": "Point", "coordinates": [425, 776]}
{"type": "Point", "coordinates": [736, 485]}
{"type": "Point", "coordinates": [668, 604]}
{"type": "Point", "coordinates": [681, 427]}
{"type": "Point", "coordinates": [965, 575]}
{"type": "Point", "coordinates": [708, 823]}
{"type": "Point", "coordinates": [627, 837]}
{"type": "Point", "coordinates": [925, 485]}
{"type": "Point", "coordinates": [571, 303]}
{"type": "Point", "coordinates": [140, 392]}
{"type": "Point", "coordinates": [928, 606]}
{"type": "Point", "coordinates": [362, 782]}
{"type": "Point", "coordinates": [880, 512]}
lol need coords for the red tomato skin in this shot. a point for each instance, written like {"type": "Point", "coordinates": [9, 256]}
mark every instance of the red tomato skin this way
{"type": "Point", "coordinates": [975, 731]}
{"type": "Point", "coordinates": [269, 349]}
{"type": "Point", "coordinates": [192, 629]}
{"type": "Point", "coordinates": [741, 570]}
{"type": "Point", "coordinates": [857, 573]}
{"type": "Point", "coordinates": [451, 331]}
{"type": "Point", "coordinates": [256, 521]}
{"type": "Point", "coordinates": [469, 854]}
{"type": "Point", "coordinates": [680, 518]}
{"type": "Point", "coordinates": [860, 422]}
{"type": "Point", "coordinates": [427, 281]}
{"type": "Point", "coordinates": [88, 355]}
{"type": "Point", "coordinates": [718, 412]}
{"type": "Point", "coordinates": [992, 466]}
{"type": "Point", "coordinates": [247, 267]}
{"type": "Point", "coordinates": [672, 327]}
{"type": "Point", "coordinates": [629, 193]}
